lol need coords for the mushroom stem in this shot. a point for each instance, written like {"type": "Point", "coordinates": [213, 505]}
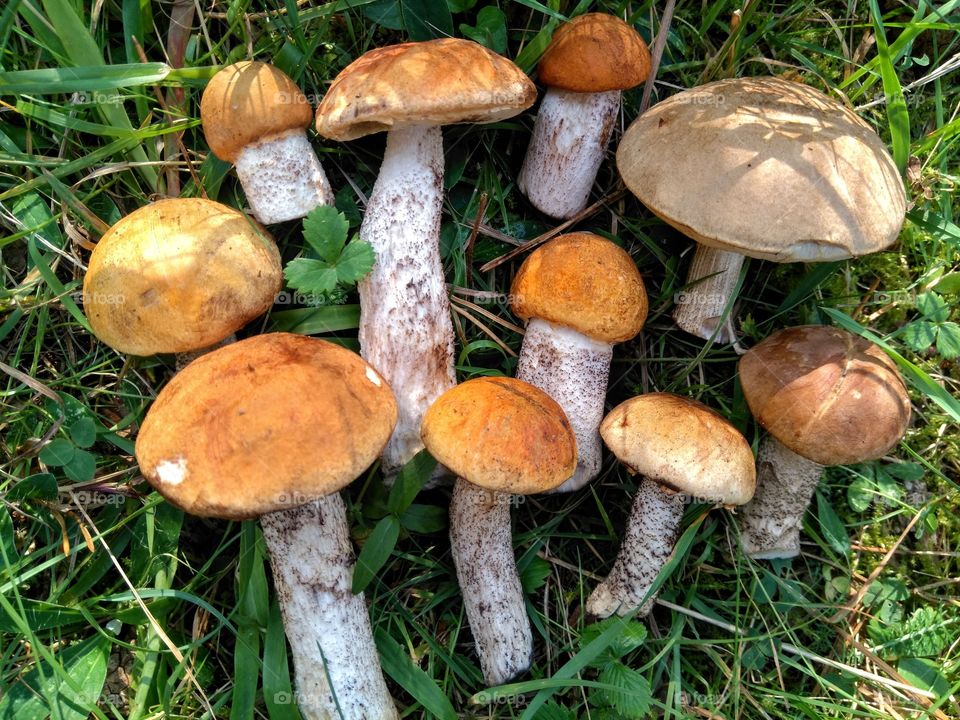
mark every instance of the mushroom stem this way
{"type": "Point", "coordinates": [405, 327]}
{"type": "Point", "coordinates": [282, 177]}
{"type": "Point", "coordinates": [570, 138]}
{"type": "Point", "coordinates": [711, 282]}
{"type": "Point", "coordinates": [770, 523]}
{"type": "Point", "coordinates": [648, 541]}
{"type": "Point", "coordinates": [334, 655]}
{"type": "Point", "coordinates": [573, 369]}
{"type": "Point", "coordinates": [482, 547]}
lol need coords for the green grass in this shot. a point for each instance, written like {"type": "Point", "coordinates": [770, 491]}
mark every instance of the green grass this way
{"type": "Point", "coordinates": [113, 604]}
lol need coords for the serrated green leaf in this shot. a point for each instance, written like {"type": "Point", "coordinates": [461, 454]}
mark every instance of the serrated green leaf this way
{"type": "Point", "coordinates": [552, 711]}
{"type": "Point", "coordinates": [311, 277]}
{"type": "Point", "coordinates": [82, 466]}
{"type": "Point", "coordinates": [490, 30]}
{"type": "Point", "coordinates": [632, 634]}
{"type": "Point", "coordinates": [83, 432]}
{"type": "Point", "coordinates": [860, 494]}
{"type": "Point", "coordinates": [905, 470]}
{"type": "Point", "coordinates": [925, 633]}
{"type": "Point", "coordinates": [355, 262]}
{"type": "Point", "coordinates": [57, 453]}
{"type": "Point", "coordinates": [375, 552]}
{"type": "Point", "coordinates": [534, 574]}
{"type": "Point", "coordinates": [933, 307]}
{"type": "Point", "coordinates": [628, 691]}
{"type": "Point", "coordinates": [919, 335]}
{"type": "Point", "coordinates": [410, 480]}
{"type": "Point", "coordinates": [948, 340]}
{"type": "Point", "coordinates": [325, 232]}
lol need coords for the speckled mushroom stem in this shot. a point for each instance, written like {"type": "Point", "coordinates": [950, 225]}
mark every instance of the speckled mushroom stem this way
{"type": "Point", "coordinates": [335, 659]}
{"type": "Point", "coordinates": [711, 282]}
{"type": "Point", "coordinates": [573, 369]}
{"type": "Point", "coordinates": [482, 547]}
{"type": "Point", "coordinates": [648, 541]}
{"type": "Point", "coordinates": [282, 177]}
{"type": "Point", "coordinates": [570, 138]}
{"type": "Point", "coordinates": [770, 523]}
{"type": "Point", "coordinates": [405, 327]}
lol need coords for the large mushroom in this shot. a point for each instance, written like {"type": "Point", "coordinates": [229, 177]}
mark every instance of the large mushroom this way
{"type": "Point", "coordinates": [502, 437]}
{"type": "Point", "coordinates": [255, 117]}
{"type": "Point", "coordinates": [179, 276]}
{"type": "Point", "coordinates": [274, 426]}
{"type": "Point", "coordinates": [579, 294]}
{"type": "Point", "coordinates": [765, 168]}
{"type": "Point", "coordinates": [825, 397]}
{"type": "Point", "coordinates": [587, 65]}
{"type": "Point", "coordinates": [411, 90]}
{"type": "Point", "coordinates": [686, 453]}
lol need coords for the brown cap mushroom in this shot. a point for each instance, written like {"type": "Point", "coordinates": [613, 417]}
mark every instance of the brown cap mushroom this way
{"type": "Point", "coordinates": [590, 60]}
{"type": "Point", "coordinates": [274, 426]}
{"type": "Point", "coordinates": [499, 436]}
{"type": "Point", "coordinates": [579, 293]}
{"type": "Point", "coordinates": [179, 275]}
{"type": "Point", "coordinates": [765, 168]}
{"type": "Point", "coordinates": [255, 116]}
{"type": "Point", "coordinates": [684, 451]}
{"type": "Point", "coordinates": [826, 397]}
{"type": "Point", "coordinates": [410, 90]}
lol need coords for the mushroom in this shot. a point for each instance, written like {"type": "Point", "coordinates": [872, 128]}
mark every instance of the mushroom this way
{"type": "Point", "coordinates": [274, 426]}
{"type": "Point", "coordinates": [587, 65]}
{"type": "Point", "coordinates": [686, 453]}
{"type": "Point", "coordinates": [410, 90]}
{"type": "Point", "coordinates": [579, 294]}
{"type": "Point", "coordinates": [254, 116]}
{"type": "Point", "coordinates": [765, 168]}
{"type": "Point", "coordinates": [502, 437]}
{"type": "Point", "coordinates": [825, 397]}
{"type": "Point", "coordinates": [179, 276]}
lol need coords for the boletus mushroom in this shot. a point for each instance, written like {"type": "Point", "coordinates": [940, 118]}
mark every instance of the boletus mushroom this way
{"type": "Point", "coordinates": [274, 426]}
{"type": "Point", "coordinates": [411, 90]}
{"type": "Point", "coordinates": [579, 294]}
{"type": "Point", "coordinates": [825, 397]}
{"type": "Point", "coordinates": [503, 438]}
{"type": "Point", "coordinates": [684, 452]}
{"type": "Point", "coordinates": [255, 117]}
{"type": "Point", "coordinates": [587, 65]}
{"type": "Point", "coordinates": [764, 168]}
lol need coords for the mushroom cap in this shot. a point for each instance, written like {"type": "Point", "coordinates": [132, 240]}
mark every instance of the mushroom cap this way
{"type": "Point", "coordinates": [268, 423]}
{"type": "Point", "coordinates": [584, 282]}
{"type": "Point", "coordinates": [501, 434]}
{"type": "Point", "coordinates": [248, 101]}
{"type": "Point", "coordinates": [767, 168]}
{"type": "Point", "coordinates": [179, 275]}
{"type": "Point", "coordinates": [827, 394]}
{"type": "Point", "coordinates": [595, 52]}
{"type": "Point", "coordinates": [437, 82]}
{"type": "Point", "coordinates": [683, 445]}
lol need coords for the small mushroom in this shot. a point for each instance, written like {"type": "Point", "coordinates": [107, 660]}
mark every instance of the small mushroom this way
{"type": "Point", "coordinates": [274, 426]}
{"type": "Point", "coordinates": [825, 397]}
{"type": "Point", "coordinates": [685, 452]}
{"type": "Point", "coordinates": [179, 276]}
{"type": "Point", "coordinates": [255, 116]}
{"type": "Point", "coordinates": [579, 294]}
{"type": "Point", "coordinates": [503, 438]}
{"type": "Point", "coordinates": [587, 65]}
{"type": "Point", "coordinates": [411, 90]}
{"type": "Point", "coordinates": [764, 168]}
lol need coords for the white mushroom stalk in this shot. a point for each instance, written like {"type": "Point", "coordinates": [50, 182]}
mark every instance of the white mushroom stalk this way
{"type": "Point", "coordinates": [770, 523]}
{"type": "Point", "coordinates": [405, 326]}
{"type": "Point", "coordinates": [573, 369]}
{"type": "Point", "coordinates": [648, 541]}
{"type": "Point", "coordinates": [711, 284]}
{"type": "Point", "coordinates": [335, 659]}
{"type": "Point", "coordinates": [282, 177]}
{"type": "Point", "coordinates": [570, 138]}
{"type": "Point", "coordinates": [482, 546]}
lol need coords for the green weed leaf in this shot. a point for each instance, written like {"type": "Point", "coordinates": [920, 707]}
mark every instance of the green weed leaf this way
{"type": "Point", "coordinates": [325, 232]}
{"type": "Point", "coordinates": [628, 692]}
{"type": "Point", "coordinates": [376, 551]}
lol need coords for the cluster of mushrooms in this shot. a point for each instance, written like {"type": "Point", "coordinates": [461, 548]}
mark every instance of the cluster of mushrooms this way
{"type": "Point", "coordinates": [274, 426]}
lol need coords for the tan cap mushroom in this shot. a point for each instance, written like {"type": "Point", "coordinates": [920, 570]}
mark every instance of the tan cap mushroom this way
{"type": "Point", "coordinates": [765, 168]}
{"type": "Point", "coordinates": [255, 116]}
{"type": "Point", "coordinates": [500, 436]}
{"type": "Point", "coordinates": [179, 275]}
{"type": "Point", "coordinates": [589, 61]}
{"type": "Point", "coordinates": [411, 90]}
{"type": "Point", "coordinates": [684, 451]}
{"type": "Point", "coordinates": [579, 293]}
{"type": "Point", "coordinates": [274, 426]}
{"type": "Point", "coordinates": [826, 397]}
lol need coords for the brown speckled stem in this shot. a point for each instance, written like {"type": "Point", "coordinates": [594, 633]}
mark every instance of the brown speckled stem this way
{"type": "Point", "coordinates": [335, 659]}
{"type": "Point", "coordinates": [711, 280]}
